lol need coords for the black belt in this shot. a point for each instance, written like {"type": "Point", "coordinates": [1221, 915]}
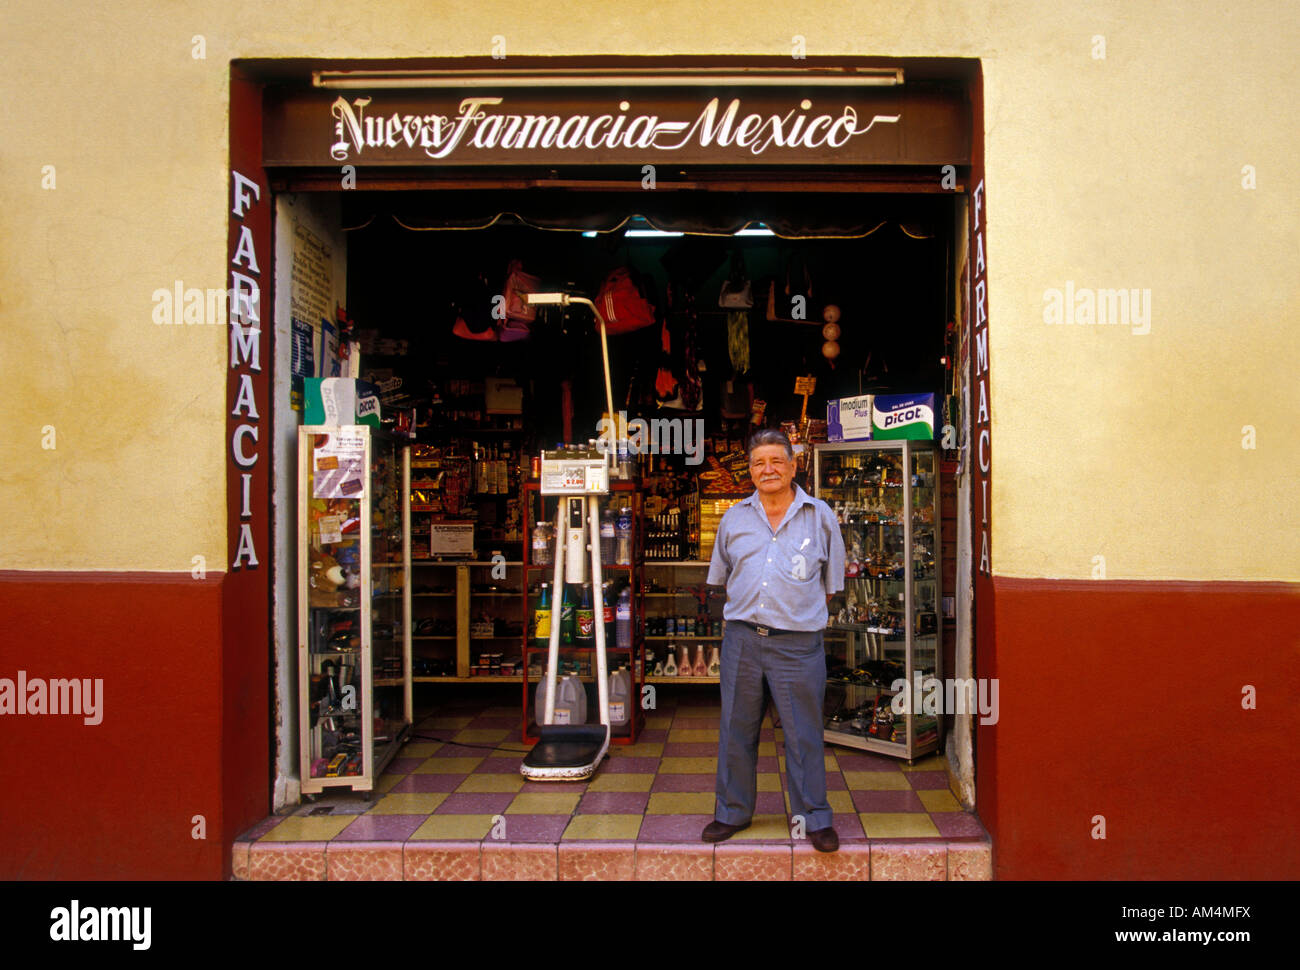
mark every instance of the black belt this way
{"type": "Point", "coordinates": [767, 631]}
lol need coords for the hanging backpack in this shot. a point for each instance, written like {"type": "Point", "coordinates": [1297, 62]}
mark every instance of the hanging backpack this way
{"type": "Point", "coordinates": [472, 306]}
{"type": "Point", "coordinates": [625, 303]}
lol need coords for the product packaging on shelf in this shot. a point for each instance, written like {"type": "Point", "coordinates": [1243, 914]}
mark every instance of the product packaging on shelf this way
{"type": "Point", "coordinates": [898, 416]}
{"type": "Point", "coordinates": [849, 418]}
{"type": "Point", "coordinates": [340, 400]}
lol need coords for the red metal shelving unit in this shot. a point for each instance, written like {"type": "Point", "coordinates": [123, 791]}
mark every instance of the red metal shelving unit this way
{"type": "Point", "coordinates": [636, 722]}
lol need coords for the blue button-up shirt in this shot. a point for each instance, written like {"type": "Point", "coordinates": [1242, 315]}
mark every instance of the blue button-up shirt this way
{"type": "Point", "coordinates": [778, 579]}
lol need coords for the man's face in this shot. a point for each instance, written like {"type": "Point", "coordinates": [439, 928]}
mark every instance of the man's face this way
{"type": "Point", "coordinates": [771, 470]}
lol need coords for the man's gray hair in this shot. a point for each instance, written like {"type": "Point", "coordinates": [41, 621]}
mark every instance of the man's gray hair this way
{"type": "Point", "coordinates": [770, 436]}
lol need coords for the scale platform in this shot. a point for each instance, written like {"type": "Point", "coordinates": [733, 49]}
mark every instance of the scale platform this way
{"type": "Point", "coordinates": [566, 752]}
{"type": "Point", "coordinates": [573, 752]}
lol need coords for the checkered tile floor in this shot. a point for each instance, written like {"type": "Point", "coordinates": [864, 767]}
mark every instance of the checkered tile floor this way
{"type": "Point", "coordinates": [659, 790]}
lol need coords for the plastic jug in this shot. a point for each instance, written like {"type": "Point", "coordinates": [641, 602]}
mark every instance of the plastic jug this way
{"type": "Point", "coordinates": [620, 697]}
{"type": "Point", "coordinates": [540, 698]}
{"type": "Point", "coordinates": [570, 701]}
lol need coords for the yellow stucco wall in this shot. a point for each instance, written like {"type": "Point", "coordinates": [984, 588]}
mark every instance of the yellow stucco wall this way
{"type": "Point", "coordinates": [1117, 172]}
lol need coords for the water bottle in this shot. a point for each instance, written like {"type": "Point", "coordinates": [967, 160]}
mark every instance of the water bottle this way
{"type": "Point", "coordinates": [623, 620]}
{"type": "Point", "coordinates": [607, 531]}
{"type": "Point", "coordinates": [623, 537]}
{"type": "Point", "coordinates": [543, 544]}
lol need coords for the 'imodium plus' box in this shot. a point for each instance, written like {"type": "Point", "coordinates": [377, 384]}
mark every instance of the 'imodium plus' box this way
{"type": "Point", "coordinates": [897, 416]}
{"type": "Point", "coordinates": [848, 418]}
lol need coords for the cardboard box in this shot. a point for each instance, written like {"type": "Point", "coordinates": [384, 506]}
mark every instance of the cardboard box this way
{"type": "Point", "coordinates": [503, 396]}
{"type": "Point", "coordinates": [340, 401]}
{"type": "Point", "coordinates": [849, 418]}
{"type": "Point", "coordinates": [898, 416]}
{"type": "Point", "coordinates": [712, 509]}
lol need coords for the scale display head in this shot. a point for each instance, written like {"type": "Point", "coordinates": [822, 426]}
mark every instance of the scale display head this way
{"type": "Point", "coordinates": [582, 472]}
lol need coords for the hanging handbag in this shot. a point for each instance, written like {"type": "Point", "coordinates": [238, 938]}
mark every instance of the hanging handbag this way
{"type": "Point", "coordinates": [520, 314]}
{"type": "Point", "coordinates": [791, 301]}
{"type": "Point", "coordinates": [737, 290]}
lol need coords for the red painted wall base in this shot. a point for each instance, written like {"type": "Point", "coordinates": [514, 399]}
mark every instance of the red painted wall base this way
{"type": "Point", "coordinates": [1124, 700]}
{"type": "Point", "coordinates": [118, 800]}
{"type": "Point", "coordinates": [1116, 700]}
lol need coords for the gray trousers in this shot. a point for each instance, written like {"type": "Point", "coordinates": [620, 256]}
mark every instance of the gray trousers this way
{"type": "Point", "coordinates": [794, 666]}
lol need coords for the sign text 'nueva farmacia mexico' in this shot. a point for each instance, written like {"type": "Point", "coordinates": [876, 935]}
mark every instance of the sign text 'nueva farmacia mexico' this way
{"type": "Point", "coordinates": [487, 123]}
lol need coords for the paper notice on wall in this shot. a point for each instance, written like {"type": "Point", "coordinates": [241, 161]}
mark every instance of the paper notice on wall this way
{"type": "Point", "coordinates": [339, 466]}
{"type": "Point", "coordinates": [311, 297]}
{"type": "Point", "coordinates": [331, 528]}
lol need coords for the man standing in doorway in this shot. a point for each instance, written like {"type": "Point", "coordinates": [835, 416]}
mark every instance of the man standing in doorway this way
{"type": "Point", "coordinates": [781, 556]}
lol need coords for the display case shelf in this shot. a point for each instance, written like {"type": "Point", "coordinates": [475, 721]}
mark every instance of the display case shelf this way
{"type": "Point", "coordinates": [661, 679]}
{"type": "Point", "coordinates": [576, 648]}
{"type": "Point", "coordinates": [476, 679]}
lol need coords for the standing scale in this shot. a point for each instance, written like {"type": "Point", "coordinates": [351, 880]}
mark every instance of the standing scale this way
{"type": "Point", "coordinates": [572, 752]}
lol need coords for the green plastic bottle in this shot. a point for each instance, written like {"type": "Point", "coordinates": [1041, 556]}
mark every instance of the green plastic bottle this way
{"type": "Point", "coordinates": [568, 622]}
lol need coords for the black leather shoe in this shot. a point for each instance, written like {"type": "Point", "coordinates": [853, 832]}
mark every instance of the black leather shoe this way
{"type": "Point", "coordinates": [824, 840]}
{"type": "Point", "coordinates": [717, 831]}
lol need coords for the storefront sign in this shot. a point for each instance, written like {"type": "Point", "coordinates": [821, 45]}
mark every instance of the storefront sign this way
{"type": "Point", "coordinates": [980, 361]}
{"type": "Point", "coordinates": [603, 126]}
{"type": "Point", "coordinates": [246, 447]}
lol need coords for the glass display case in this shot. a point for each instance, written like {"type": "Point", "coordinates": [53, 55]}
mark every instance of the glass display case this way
{"type": "Point", "coordinates": [884, 627]}
{"type": "Point", "coordinates": [354, 605]}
